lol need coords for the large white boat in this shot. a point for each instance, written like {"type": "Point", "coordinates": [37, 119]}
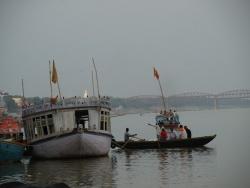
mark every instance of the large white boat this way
{"type": "Point", "coordinates": [71, 128]}
{"type": "Point", "coordinates": [75, 128]}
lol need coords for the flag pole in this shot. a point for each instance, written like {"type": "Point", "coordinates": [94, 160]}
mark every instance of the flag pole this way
{"type": "Point", "coordinates": [162, 95]}
{"type": "Point", "coordinates": [93, 84]}
{"type": "Point", "coordinates": [23, 101]}
{"type": "Point", "coordinates": [156, 75]}
{"type": "Point", "coordinates": [59, 90]}
{"type": "Point", "coordinates": [97, 83]}
{"type": "Point", "coordinates": [51, 94]}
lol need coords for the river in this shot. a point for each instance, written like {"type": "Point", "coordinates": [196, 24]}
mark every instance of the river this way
{"type": "Point", "coordinates": [222, 163]}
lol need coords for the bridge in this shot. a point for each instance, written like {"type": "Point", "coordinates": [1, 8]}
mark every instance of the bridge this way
{"type": "Point", "coordinates": [232, 94]}
{"type": "Point", "coordinates": [239, 93]}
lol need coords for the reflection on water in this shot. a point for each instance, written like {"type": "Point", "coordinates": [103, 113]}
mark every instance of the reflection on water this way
{"type": "Point", "coordinates": [11, 171]}
{"type": "Point", "coordinates": [122, 168]}
{"type": "Point", "coordinates": [165, 167]}
{"type": "Point", "coordinates": [75, 173]}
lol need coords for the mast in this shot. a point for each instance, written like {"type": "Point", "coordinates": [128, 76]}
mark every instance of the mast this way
{"type": "Point", "coordinates": [156, 75]}
{"type": "Point", "coordinates": [51, 95]}
{"type": "Point", "coordinates": [97, 83]}
{"type": "Point", "coordinates": [23, 99]}
{"type": "Point", "coordinates": [162, 95]}
{"type": "Point", "coordinates": [93, 84]}
{"type": "Point", "coordinates": [55, 80]}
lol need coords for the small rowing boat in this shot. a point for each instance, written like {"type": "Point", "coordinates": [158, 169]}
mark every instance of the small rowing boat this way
{"type": "Point", "coordinates": [178, 143]}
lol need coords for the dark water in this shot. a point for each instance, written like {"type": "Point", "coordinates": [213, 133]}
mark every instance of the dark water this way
{"type": "Point", "coordinates": [223, 163]}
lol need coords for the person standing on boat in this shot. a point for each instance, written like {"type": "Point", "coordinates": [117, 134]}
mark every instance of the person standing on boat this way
{"type": "Point", "coordinates": [171, 116]}
{"type": "Point", "coordinates": [163, 135]}
{"type": "Point", "coordinates": [182, 133]}
{"type": "Point", "coordinates": [176, 117]}
{"type": "Point", "coordinates": [188, 131]}
{"type": "Point", "coordinates": [127, 135]}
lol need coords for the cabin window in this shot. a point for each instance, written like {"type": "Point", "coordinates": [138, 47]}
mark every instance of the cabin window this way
{"type": "Point", "coordinates": [50, 124]}
{"type": "Point", "coordinates": [45, 130]}
{"type": "Point", "coordinates": [102, 125]}
{"type": "Point", "coordinates": [29, 129]}
{"type": "Point", "coordinates": [105, 120]}
{"type": "Point", "coordinates": [43, 121]}
{"type": "Point", "coordinates": [106, 127]}
{"type": "Point", "coordinates": [39, 127]}
{"type": "Point", "coordinates": [82, 119]}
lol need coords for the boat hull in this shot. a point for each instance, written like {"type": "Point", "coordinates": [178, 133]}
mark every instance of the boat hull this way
{"type": "Point", "coordinates": [73, 145]}
{"type": "Point", "coordinates": [180, 143]}
{"type": "Point", "coordinates": [11, 151]}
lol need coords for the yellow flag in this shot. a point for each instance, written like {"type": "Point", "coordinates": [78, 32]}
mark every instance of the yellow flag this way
{"type": "Point", "coordinates": [156, 74]}
{"type": "Point", "coordinates": [54, 78]}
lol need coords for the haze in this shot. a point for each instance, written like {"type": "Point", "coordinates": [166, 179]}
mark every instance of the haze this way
{"type": "Point", "coordinates": [195, 45]}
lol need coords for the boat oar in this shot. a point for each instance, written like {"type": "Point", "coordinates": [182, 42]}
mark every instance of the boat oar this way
{"type": "Point", "coordinates": [155, 126]}
{"type": "Point", "coordinates": [124, 145]}
{"type": "Point", "coordinates": [151, 125]}
{"type": "Point", "coordinates": [139, 139]}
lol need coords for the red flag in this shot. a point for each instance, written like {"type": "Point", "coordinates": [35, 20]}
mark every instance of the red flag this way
{"type": "Point", "coordinates": [156, 74]}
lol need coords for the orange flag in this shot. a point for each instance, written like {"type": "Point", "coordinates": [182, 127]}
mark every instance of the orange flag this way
{"type": "Point", "coordinates": [156, 74]}
{"type": "Point", "coordinates": [54, 78]}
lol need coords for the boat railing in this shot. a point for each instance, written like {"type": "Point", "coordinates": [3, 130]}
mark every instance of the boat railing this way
{"type": "Point", "coordinates": [76, 102]}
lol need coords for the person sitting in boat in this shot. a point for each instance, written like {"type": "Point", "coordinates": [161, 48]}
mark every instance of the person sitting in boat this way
{"type": "Point", "coordinates": [182, 132]}
{"type": "Point", "coordinates": [127, 135]}
{"type": "Point", "coordinates": [172, 134]}
{"type": "Point", "coordinates": [188, 131]}
{"type": "Point", "coordinates": [163, 135]}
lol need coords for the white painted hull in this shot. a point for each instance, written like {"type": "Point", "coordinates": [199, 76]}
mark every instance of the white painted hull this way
{"type": "Point", "coordinates": [75, 145]}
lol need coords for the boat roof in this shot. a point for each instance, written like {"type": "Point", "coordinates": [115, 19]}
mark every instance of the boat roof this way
{"type": "Point", "coordinates": [68, 103]}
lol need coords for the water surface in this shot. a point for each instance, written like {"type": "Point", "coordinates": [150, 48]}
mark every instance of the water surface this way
{"type": "Point", "coordinates": [223, 163]}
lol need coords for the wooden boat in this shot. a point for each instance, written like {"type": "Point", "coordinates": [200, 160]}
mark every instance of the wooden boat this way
{"type": "Point", "coordinates": [178, 143]}
{"type": "Point", "coordinates": [11, 151]}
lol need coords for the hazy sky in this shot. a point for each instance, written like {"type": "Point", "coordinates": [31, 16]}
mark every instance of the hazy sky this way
{"type": "Point", "coordinates": [196, 45]}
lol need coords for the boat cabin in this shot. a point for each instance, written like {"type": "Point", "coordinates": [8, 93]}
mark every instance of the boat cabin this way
{"type": "Point", "coordinates": [83, 114]}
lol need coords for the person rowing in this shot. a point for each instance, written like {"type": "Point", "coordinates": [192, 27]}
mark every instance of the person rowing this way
{"type": "Point", "coordinates": [127, 135]}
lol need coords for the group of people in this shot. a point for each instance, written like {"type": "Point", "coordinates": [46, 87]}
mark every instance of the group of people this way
{"type": "Point", "coordinates": [166, 134]}
{"type": "Point", "coordinates": [172, 117]}
{"type": "Point", "coordinates": [172, 134]}
{"type": "Point", "coordinates": [167, 126]}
